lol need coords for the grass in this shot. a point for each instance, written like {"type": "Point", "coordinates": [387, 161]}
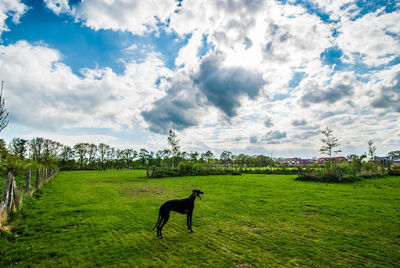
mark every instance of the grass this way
{"type": "Point", "coordinates": [105, 218]}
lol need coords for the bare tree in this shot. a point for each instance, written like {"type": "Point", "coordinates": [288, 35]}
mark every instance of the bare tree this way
{"type": "Point", "coordinates": [371, 149]}
{"type": "Point", "coordinates": [3, 112]}
{"type": "Point", "coordinates": [173, 142]}
{"type": "Point", "coordinates": [330, 143]}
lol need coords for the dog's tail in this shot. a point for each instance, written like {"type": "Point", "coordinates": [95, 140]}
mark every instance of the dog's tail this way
{"type": "Point", "coordinates": [159, 217]}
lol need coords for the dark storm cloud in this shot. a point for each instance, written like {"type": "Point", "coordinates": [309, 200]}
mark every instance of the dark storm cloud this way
{"type": "Point", "coordinates": [328, 114]}
{"type": "Point", "coordinates": [268, 122]}
{"type": "Point", "coordinates": [330, 95]}
{"type": "Point", "coordinates": [175, 110]}
{"type": "Point", "coordinates": [253, 139]}
{"type": "Point", "coordinates": [222, 87]}
{"type": "Point", "coordinates": [225, 86]}
{"type": "Point", "coordinates": [307, 134]}
{"type": "Point", "coordinates": [389, 97]}
{"type": "Point", "coordinates": [275, 37]}
{"type": "Point", "coordinates": [247, 6]}
{"type": "Point", "coordinates": [275, 135]}
{"type": "Point", "coordinates": [270, 52]}
{"type": "Point", "coordinates": [247, 42]}
{"type": "Point", "coordinates": [297, 123]}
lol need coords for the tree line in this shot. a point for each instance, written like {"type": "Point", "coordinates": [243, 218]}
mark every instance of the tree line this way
{"type": "Point", "coordinates": [50, 153]}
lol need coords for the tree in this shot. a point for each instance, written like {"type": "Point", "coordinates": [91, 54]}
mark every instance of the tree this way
{"type": "Point", "coordinates": [207, 156]}
{"type": "Point", "coordinates": [394, 153]}
{"type": "Point", "coordinates": [173, 142]}
{"type": "Point", "coordinates": [103, 149]}
{"type": "Point", "coordinates": [119, 154]}
{"type": "Point", "coordinates": [132, 156]}
{"type": "Point", "coordinates": [193, 156]}
{"type": "Point", "coordinates": [159, 157]}
{"type": "Point", "coordinates": [50, 151]}
{"type": "Point", "coordinates": [3, 151]}
{"type": "Point", "coordinates": [92, 150]}
{"type": "Point", "coordinates": [225, 157]}
{"type": "Point", "coordinates": [129, 155]}
{"type": "Point", "coordinates": [36, 148]}
{"type": "Point", "coordinates": [81, 150]}
{"type": "Point", "coordinates": [166, 157]}
{"type": "Point", "coordinates": [19, 147]}
{"type": "Point", "coordinates": [3, 112]}
{"type": "Point", "coordinates": [66, 154]}
{"type": "Point", "coordinates": [143, 156]}
{"type": "Point", "coordinates": [110, 156]}
{"type": "Point", "coordinates": [330, 143]}
{"type": "Point", "coordinates": [371, 149]}
{"type": "Point", "coordinates": [241, 159]}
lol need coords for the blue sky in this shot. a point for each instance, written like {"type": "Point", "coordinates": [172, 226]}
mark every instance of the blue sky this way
{"type": "Point", "coordinates": [248, 76]}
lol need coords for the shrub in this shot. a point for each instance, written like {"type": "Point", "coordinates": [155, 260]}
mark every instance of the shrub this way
{"type": "Point", "coordinates": [394, 170]}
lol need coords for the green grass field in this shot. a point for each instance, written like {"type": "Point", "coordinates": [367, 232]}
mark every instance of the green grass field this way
{"type": "Point", "coordinates": [105, 218]}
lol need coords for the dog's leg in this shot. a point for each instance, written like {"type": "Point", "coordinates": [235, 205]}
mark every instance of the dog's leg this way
{"type": "Point", "coordinates": [158, 221]}
{"type": "Point", "coordinates": [158, 225]}
{"type": "Point", "coordinates": [190, 214]}
{"type": "Point", "coordinates": [165, 219]}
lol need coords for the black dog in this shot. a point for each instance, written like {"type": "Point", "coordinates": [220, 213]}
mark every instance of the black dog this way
{"type": "Point", "coordinates": [183, 206]}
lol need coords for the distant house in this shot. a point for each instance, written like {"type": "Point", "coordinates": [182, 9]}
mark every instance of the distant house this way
{"type": "Point", "coordinates": [395, 160]}
{"type": "Point", "coordinates": [294, 162]}
{"type": "Point", "coordinates": [291, 162]}
{"type": "Point", "coordinates": [337, 159]}
{"type": "Point", "coordinates": [387, 160]}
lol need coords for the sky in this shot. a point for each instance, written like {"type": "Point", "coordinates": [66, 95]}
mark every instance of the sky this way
{"type": "Point", "coordinates": [248, 76]}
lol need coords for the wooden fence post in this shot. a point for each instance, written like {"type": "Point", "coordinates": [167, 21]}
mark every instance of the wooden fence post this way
{"type": "Point", "coordinates": [300, 172]}
{"type": "Point", "coordinates": [28, 181]}
{"type": "Point", "coordinates": [37, 182]}
{"type": "Point", "coordinates": [42, 177]}
{"type": "Point", "coordinates": [10, 198]}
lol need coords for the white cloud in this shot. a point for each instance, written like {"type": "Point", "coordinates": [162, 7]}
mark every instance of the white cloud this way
{"type": "Point", "coordinates": [274, 39]}
{"type": "Point", "coordinates": [370, 38]}
{"type": "Point", "coordinates": [188, 54]}
{"type": "Point", "coordinates": [136, 16]}
{"type": "Point", "coordinates": [58, 6]}
{"type": "Point", "coordinates": [10, 8]}
{"type": "Point", "coordinates": [43, 93]}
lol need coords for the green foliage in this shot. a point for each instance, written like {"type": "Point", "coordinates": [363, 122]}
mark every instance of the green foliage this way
{"type": "Point", "coordinates": [394, 153]}
{"type": "Point", "coordinates": [329, 142]}
{"type": "Point", "coordinates": [395, 170]}
{"type": "Point", "coordinates": [371, 149]}
{"type": "Point", "coordinates": [104, 218]}
{"type": "Point", "coordinates": [331, 171]}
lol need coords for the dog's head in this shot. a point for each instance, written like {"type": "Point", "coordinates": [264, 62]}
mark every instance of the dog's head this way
{"type": "Point", "coordinates": [197, 193]}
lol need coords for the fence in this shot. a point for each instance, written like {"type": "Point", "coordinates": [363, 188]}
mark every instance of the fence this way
{"type": "Point", "coordinates": [11, 200]}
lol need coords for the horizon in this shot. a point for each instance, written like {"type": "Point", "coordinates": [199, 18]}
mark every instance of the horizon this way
{"type": "Point", "coordinates": [252, 77]}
